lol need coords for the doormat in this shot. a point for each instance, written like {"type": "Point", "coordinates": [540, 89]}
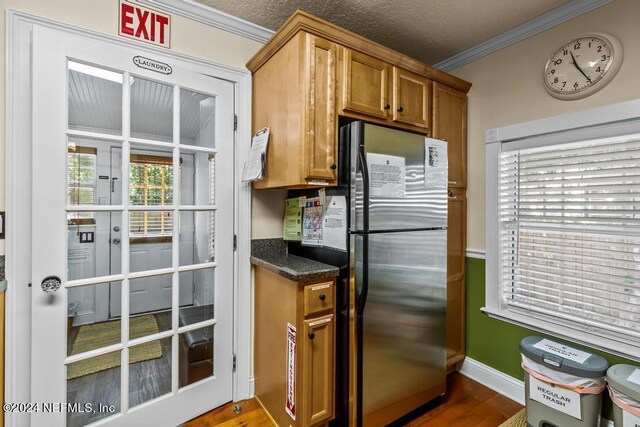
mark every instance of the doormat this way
{"type": "Point", "coordinates": [518, 420]}
{"type": "Point", "coordinates": [103, 334]}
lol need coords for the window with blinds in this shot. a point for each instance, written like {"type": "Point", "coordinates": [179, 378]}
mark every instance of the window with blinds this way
{"type": "Point", "coordinates": [150, 184]}
{"type": "Point", "coordinates": [569, 234]}
{"type": "Point", "coordinates": [81, 181]}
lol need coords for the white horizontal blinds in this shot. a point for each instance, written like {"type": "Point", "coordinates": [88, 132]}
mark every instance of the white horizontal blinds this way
{"type": "Point", "coordinates": [150, 184]}
{"type": "Point", "coordinates": [570, 233]}
{"type": "Point", "coordinates": [81, 179]}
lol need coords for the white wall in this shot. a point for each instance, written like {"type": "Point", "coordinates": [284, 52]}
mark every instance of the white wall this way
{"type": "Point", "coordinates": [507, 89]}
{"type": "Point", "coordinates": [187, 37]}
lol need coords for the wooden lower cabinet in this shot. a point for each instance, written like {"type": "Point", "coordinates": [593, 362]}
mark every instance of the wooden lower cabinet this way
{"type": "Point", "coordinates": [318, 381]}
{"type": "Point", "coordinates": [281, 304]}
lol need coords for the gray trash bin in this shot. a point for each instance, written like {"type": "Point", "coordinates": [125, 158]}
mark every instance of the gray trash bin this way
{"type": "Point", "coordinates": [563, 385]}
{"type": "Point", "coordinates": [624, 389]}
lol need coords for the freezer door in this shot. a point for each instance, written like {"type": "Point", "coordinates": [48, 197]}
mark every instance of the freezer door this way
{"type": "Point", "coordinates": [399, 179]}
{"type": "Point", "coordinates": [401, 300]}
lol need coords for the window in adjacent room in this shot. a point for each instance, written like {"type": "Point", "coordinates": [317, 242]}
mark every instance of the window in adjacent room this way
{"type": "Point", "coordinates": [81, 182]}
{"type": "Point", "coordinates": [151, 184]}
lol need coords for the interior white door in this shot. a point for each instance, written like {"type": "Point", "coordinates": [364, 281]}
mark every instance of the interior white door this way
{"type": "Point", "coordinates": [173, 130]}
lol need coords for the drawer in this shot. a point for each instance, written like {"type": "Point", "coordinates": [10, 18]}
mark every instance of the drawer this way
{"type": "Point", "coordinates": [318, 297]}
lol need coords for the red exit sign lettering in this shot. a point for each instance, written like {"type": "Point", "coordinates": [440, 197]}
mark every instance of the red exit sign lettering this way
{"type": "Point", "coordinates": [142, 23]}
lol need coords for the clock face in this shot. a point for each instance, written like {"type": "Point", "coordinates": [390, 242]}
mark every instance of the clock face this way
{"type": "Point", "coordinates": [582, 66]}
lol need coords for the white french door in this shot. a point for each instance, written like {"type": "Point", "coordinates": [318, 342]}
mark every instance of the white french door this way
{"type": "Point", "coordinates": [140, 330]}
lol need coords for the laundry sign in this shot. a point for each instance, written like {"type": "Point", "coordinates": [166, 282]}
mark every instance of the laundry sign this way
{"type": "Point", "coordinates": [144, 24]}
{"type": "Point", "coordinates": [559, 398]}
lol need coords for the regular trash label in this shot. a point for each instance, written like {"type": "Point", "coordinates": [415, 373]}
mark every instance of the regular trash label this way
{"type": "Point", "coordinates": [558, 398]}
{"type": "Point", "coordinates": [630, 420]}
{"type": "Point", "coordinates": [563, 351]}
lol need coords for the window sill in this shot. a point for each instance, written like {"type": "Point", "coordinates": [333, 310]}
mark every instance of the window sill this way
{"type": "Point", "coordinates": [585, 338]}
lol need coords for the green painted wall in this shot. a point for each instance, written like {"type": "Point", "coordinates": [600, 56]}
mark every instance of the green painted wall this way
{"type": "Point", "coordinates": [494, 342]}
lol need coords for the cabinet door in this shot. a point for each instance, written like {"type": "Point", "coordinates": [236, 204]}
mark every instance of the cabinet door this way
{"type": "Point", "coordinates": [320, 119]}
{"type": "Point", "coordinates": [411, 98]}
{"type": "Point", "coordinates": [455, 322]}
{"type": "Point", "coordinates": [456, 233]}
{"type": "Point", "coordinates": [365, 85]}
{"type": "Point", "coordinates": [450, 124]}
{"type": "Point", "coordinates": [456, 273]}
{"type": "Point", "coordinates": [318, 370]}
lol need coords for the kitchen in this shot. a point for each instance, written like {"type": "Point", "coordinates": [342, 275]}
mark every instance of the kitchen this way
{"type": "Point", "coordinates": [486, 110]}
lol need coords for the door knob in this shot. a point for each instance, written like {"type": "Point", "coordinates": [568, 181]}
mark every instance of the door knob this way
{"type": "Point", "coordinates": [116, 228]}
{"type": "Point", "coordinates": [387, 106]}
{"type": "Point", "coordinates": [50, 284]}
{"type": "Point", "coordinates": [312, 336]}
{"type": "Point", "coordinates": [333, 166]}
{"type": "Point", "coordinates": [322, 297]}
{"type": "Point", "coordinates": [400, 109]}
{"type": "Point", "coordinates": [116, 241]}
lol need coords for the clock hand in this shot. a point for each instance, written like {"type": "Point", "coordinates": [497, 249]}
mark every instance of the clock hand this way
{"type": "Point", "coordinates": [578, 67]}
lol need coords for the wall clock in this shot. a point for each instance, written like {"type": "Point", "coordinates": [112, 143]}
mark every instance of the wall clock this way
{"type": "Point", "coordinates": [583, 66]}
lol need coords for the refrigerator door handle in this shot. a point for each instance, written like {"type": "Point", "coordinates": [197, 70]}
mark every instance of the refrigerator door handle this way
{"type": "Point", "coordinates": [362, 166]}
{"type": "Point", "coordinates": [362, 293]}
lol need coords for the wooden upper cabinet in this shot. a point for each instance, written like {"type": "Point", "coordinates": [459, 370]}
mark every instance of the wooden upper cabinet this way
{"type": "Point", "coordinates": [320, 126]}
{"type": "Point", "coordinates": [411, 98]}
{"type": "Point", "coordinates": [365, 84]}
{"type": "Point", "coordinates": [294, 94]}
{"type": "Point", "coordinates": [450, 124]}
{"type": "Point", "coordinates": [312, 72]}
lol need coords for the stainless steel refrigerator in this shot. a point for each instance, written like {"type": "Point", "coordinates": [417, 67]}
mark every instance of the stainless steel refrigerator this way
{"type": "Point", "coordinates": [392, 288]}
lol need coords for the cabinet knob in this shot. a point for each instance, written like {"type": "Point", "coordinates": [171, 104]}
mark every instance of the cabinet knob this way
{"type": "Point", "coordinates": [400, 109]}
{"type": "Point", "coordinates": [333, 166]}
{"type": "Point", "coordinates": [322, 297]}
{"type": "Point", "coordinates": [387, 106]}
{"type": "Point", "coordinates": [312, 336]}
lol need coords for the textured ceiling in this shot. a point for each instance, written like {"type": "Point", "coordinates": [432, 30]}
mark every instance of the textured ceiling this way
{"type": "Point", "coordinates": [428, 30]}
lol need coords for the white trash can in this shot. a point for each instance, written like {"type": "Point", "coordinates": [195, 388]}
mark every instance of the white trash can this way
{"type": "Point", "coordinates": [563, 385]}
{"type": "Point", "coordinates": [624, 389]}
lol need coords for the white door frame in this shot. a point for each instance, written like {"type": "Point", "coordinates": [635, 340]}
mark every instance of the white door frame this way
{"type": "Point", "coordinates": [18, 205]}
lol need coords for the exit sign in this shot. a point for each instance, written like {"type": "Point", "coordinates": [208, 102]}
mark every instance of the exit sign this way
{"type": "Point", "coordinates": [141, 23]}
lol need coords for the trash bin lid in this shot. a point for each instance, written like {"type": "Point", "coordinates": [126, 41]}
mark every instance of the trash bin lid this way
{"type": "Point", "coordinates": [564, 358]}
{"type": "Point", "coordinates": [625, 379]}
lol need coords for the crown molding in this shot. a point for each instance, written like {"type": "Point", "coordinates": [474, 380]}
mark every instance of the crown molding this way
{"type": "Point", "coordinates": [527, 29]}
{"type": "Point", "coordinates": [212, 17]}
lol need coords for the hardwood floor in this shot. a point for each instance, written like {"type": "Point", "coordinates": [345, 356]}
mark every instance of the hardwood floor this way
{"type": "Point", "coordinates": [466, 404]}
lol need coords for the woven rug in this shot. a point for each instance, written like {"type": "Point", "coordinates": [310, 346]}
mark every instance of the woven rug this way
{"type": "Point", "coordinates": [518, 420]}
{"type": "Point", "coordinates": [107, 333]}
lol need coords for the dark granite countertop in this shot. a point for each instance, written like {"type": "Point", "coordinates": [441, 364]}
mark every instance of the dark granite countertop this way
{"type": "Point", "coordinates": [272, 255]}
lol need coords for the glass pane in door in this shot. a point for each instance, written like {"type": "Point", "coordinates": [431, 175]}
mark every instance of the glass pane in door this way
{"type": "Point", "coordinates": [94, 99]}
{"type": "Point", "coordinates": [89, 325]}
{"type": "Point", "coordinates": [201, 284]}
{"type": "Point", "coordinates": [149, 371]}
{"type": "Point", "coordinates": [196, 355]}
{"type": "Point", "coordinates": [90, 237]}
{"type": "Point", "coordinates": [95, 382]}
{"type": "Point", "coordinates": [197, 119]}
{"type": "Point", "coordinates": [151, 110]}
{"type": "Point", "coordinates": [197, 239]}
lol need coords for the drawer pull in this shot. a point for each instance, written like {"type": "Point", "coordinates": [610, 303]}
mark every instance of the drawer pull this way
{"type": "Point", "coordinates": [322, 297]}
{"type": "Point", "coordinates": [312, 336]}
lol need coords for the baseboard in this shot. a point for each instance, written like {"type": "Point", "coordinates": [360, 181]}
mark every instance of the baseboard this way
{"type": "Point", "coordinates": [501, 383]}
{"type": "Point", "coordinates": [494, 379]}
